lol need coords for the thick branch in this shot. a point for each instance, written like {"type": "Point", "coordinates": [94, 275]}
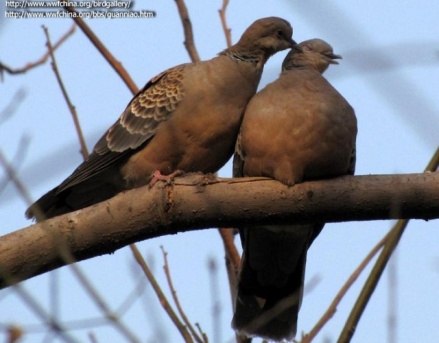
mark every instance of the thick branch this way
{"type": "Point", "coordinates": [199, 201]}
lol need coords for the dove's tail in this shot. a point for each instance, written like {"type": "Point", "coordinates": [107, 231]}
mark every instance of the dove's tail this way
{"type": "Point", "coordinates": [271, 280]}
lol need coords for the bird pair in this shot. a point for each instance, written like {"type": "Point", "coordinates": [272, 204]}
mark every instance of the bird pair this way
{"type": "Point", "coordinates": [194, 116]}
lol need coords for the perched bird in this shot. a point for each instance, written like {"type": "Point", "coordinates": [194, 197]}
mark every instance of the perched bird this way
{"type": "Point", "coordinates": [186, 118]}
{"type": "Point", "coordinates": [297, 128]}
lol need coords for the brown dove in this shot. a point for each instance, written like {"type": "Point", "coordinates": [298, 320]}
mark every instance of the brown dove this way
{"type": "Point", "coordinates": [297, 128]}
{"type": "Point", "coordinates": [186, 118]}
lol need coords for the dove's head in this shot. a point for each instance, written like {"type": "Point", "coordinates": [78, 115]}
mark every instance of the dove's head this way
{"type": "Point", "coordinates": [266, 36]}
{"type": "Point", "coordinates": [314, 53]}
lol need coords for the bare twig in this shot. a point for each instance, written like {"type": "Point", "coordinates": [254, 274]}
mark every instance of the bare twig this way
{"type": "Point", "coordinates": [117, 66]}
{"type": "Point", "coordinates": [12, 175]}
{"type": "Point", "coordinates": [38, 62]}
{"type": "Point", "coordinates": [40, 312]}
{"type": "Point", "coordinates": [216, 304]}
{"type": "Point", "coordinates": [162, 298]}
{"type": "Point", "coordinates": [25, 296]}
{"type": "Point", "coordinates": [92, 337]}
{"type": "Point", "coordinates": [188, 34]}
{"type": "Point", "coordinates": [54, 287]}
{"type": "Point", "coordinates": [202, 333]}
{"type": "Point", "coordinates": [375, 275]}
{"type": "Point", "coordinates": [229, 246]}
{"type": "Point", "coordinates": [72, 109]}
{"type": "Point", "coordinates": [71, 325]}
{"type": "Point", "coordinates": [12, 107]}
{"type": "Point", "coordinates": [333, 307]}
{"type": "Point", "coordinates": [392, 314]}
{"type": "Point", "coordinates": [100, 302]}
{"type": "Point", "coordinates": [176, 300]}
{"type": "Point", "coordinates": [232, 259]}
{"type": "Point", "coordinates": [17, 160]}
{"type": "Point", "coordinates": [227, 30]}
{"type": "Point", "coordinates": [138, 290]}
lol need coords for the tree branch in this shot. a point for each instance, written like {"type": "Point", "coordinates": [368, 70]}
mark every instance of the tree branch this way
{"type": "Point", "coordinates": [226, 29]}
{"type": "Point", "coordinates": [177, 303]}
{"type": "Point", "coordinates": [162, 298]}
{"type": "Point", "coordinates": [202, 201]}
{"type": "Point", "coordinates": [188, 34]}
{"type": "Point", "coordinates": [40, 61]}
{"type": "Point", "coordinates": [66, 96]}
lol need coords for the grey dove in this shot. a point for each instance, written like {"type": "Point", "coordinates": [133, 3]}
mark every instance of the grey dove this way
{"type": "Point", "coordinates": [297, 128]}
{"type": "Point", "coordinates": [186, 118]}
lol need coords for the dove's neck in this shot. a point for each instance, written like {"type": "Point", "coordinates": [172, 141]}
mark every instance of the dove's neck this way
{"type": "Point", "coordinates": [258, 59]}
{"type": "Point", "coordinates": [302, 61]}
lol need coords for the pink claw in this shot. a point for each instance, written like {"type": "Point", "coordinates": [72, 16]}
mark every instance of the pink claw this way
{"type": "Point", "coordinates": [157, 176]}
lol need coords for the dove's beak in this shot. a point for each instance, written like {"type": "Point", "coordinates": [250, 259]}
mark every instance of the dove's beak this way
{"type": "Point", "coordinates": [333, 57]}
{"type": "Point", "coordinates": [296, 47]}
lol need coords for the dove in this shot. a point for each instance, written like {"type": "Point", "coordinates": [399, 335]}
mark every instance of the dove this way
{"type": "Point", "coordinates": [297, 128]}
{"type": "Point", "coordinates": [185, 119]}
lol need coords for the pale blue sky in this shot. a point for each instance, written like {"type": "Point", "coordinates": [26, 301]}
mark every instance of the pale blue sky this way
{"type": "Point", "coordinates": [390, 76]}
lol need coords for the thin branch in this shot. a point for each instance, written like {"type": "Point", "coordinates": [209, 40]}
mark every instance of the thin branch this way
{"type": "Point", "coordinates": [92, 337]}
{"type": "Point", "coordinates": [162, 298]}
{"type": "Point", "coordinates": [188, 34]}
{"type": "Point", "coordinates": [375, 275]}
{"type": "Point", "coordinates": [198, 201]}
{"type": "Point", "coordinates": [94, 294]}
{"type": "Point", "coordinates": [229, 246]}
{"type": "Point", "coordinates": [227, 30]}
{"type": "Point", "coordinates": [12, 107]}
{"type": "Point", "coordinates": [392, 296]}
{"type": "Point", "coordinates": [117, 66]}
{"type": "Point", "coordinates": [216, 304]}
{"type": "Point", "coordinates": [202, 333]}
{"type": "Point", "coordinates": [71, 325]}
{"type": "Point", "coordinates": [232, 260]}
{"type": "Point", "coordinates": [329, 313]}
{"type": "Point", "coordinates": [72, 108]}
{"type": "Point", "coordinates": [176, 300]}
{"type": "Point", "coordinates": [17, 160]}
{"type": "Point", "coordinates": [132, 297]}
{"type": "Point", "coordinates": [41, 313]}
{"type": "Point", "coordinates": [10, 172]}
{"type": "Point", "coordinates": [38, 62]}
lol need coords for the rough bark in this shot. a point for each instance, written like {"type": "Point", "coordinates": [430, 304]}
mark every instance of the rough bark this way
{"type": "Point", "coordinates": [201, 201]}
